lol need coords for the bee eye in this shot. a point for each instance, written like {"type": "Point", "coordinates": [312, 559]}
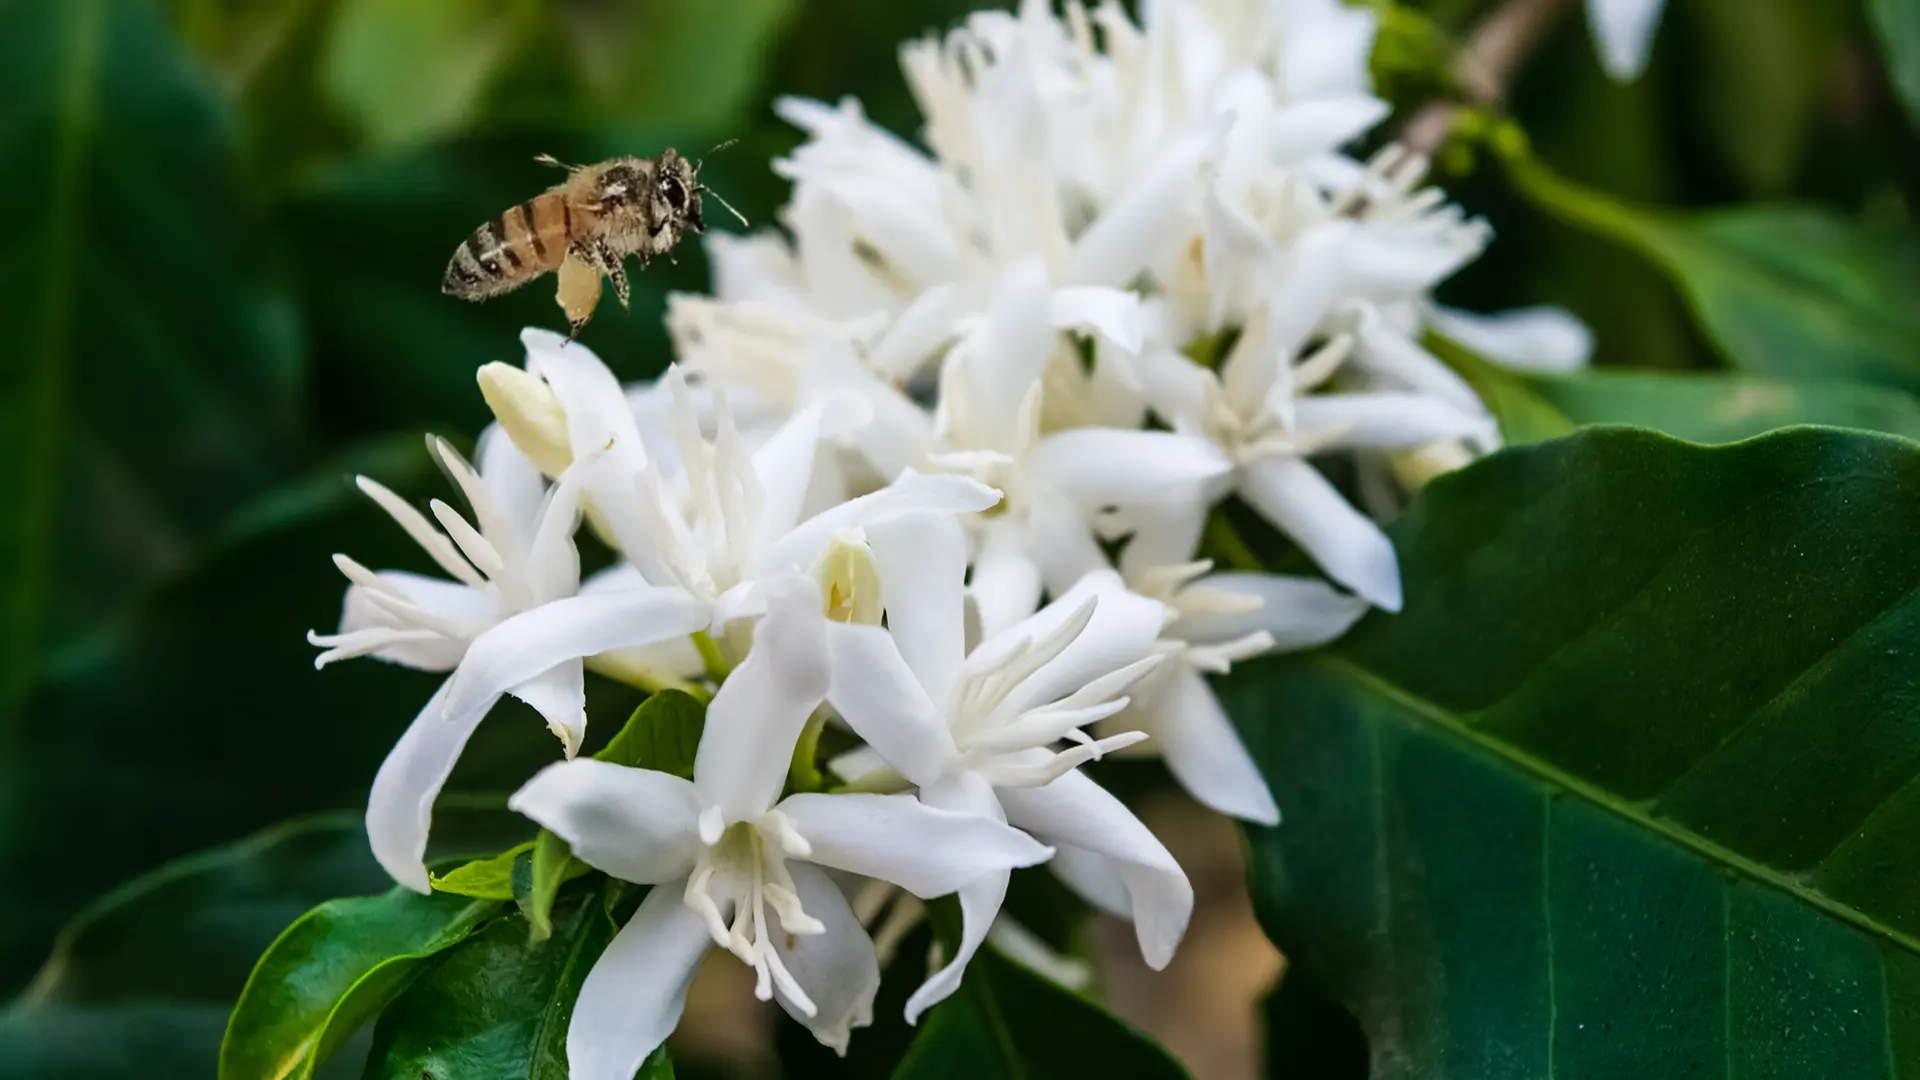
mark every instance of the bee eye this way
{"type": "Point", "coordinates": [675, 194]}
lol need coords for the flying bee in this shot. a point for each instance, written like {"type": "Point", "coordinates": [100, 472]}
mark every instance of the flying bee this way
{"type": "Point", "coordinates": [583, 228]}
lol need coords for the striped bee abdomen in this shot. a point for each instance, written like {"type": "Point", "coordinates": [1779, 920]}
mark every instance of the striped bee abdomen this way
{"type": "Point", "coordinates": [510, 250]}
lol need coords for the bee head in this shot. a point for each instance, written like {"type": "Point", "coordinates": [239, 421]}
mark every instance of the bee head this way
{"type": "Point", "coordinates": [678, 191]}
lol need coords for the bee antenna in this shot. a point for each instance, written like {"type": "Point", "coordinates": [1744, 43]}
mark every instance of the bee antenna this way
{"type": "Point", "coordinates": [717, 147]}
{"type": "Point", "coordinates": [549, 159]}
{"type": "Point", "coordinates": [723, 202]}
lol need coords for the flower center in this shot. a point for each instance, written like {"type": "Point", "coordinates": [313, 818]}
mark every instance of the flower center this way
{"type": "Point", "coordinates": [744, 869]}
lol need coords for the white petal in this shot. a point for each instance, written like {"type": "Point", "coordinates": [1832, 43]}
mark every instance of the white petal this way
{"type": "Point", "coordinates": [1317, 127]}
{"type": "Point", "coordinates": [559, 695]}
{"type": "Point", "coordinates": [400, 807]}
{"type": "Point", "coordinates": [979, 902]}
{"type": "Point", "coordinates": [1095, 877]}
{"type": "Point", "coordinates": [1006, 581]}
{"type": "Point", "coordinates": [512, 479]}
{"type": "Point", "coordinates": [1112, 313]}
{"type": "Point", "coordinates": [912, 493]}
{"type": "Point", "coordinates": [923, 573]}
{"type": "Point", "coordinates": [917, 332]}
{"type": "Point", "coordinates": [1099, 467]}
{"type": "Point", "coordinates": [1544, 338]}
{"type": "Point", "coordinates": [1396, 356]}
{"type": "Point", "coordinates": [837, 968]}
{"type": "Point", "coordinates": [897, 838]}
{"type": "Point", "coordinates": [577, 626]}
{"type": "Point", "coordinates": [1123, 628]}
{"type": "Point", "coordinates": [755, 719]}
{"type": "Point", "coordinates": [1299, 612]}
{"type": "Point", "coordinates": [636, 824]}
{"type": "Point", "coordinates": [1202, 749]}
{"type": "Point", "coordinates": [784, 464]}
{"type": "Point", "coordinates": [1060, 540]}
{"type": "Point", "coordinates": [1384, 420]}
{"type": "Point", "coordinates": [632, 999]}
{"type": "Point", "coordinates": [1077, 811]}
{"type": "Point", "coordinates": [1326, 48]}
{"type": "Point", "coordinates": [875, 692]}
{"type": "Point", "coordinates": [1302, 504]}
{"type": "Point", "coordinates": [1162, 534]}
{"type": "Point", "coordinates": [1007, 356]}
{"type": "Point", "coordinates": [1142, 222]}
{"type": "Point", "coordinates": [1623, 31]}
{"type": "Point", "coordinates": [598, 417]}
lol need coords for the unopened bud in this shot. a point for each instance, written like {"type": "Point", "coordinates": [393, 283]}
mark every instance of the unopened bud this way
{"type": "Point", "coordinates": [849, 581]}
{"type": "Point", "coordinates": [530, 412]}
{"type": "Point", "coordinates": [1416, 467]}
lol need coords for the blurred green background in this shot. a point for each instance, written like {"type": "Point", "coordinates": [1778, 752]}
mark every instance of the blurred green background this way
{"type": "Point", "coordinates": [226, 225]}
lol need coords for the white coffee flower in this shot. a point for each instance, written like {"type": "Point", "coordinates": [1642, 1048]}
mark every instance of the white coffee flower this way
{"type": "Point", "coordinates": [509, 623]}
{"type": "Point", "coordinates": [974, 731]}
{"type": "Point", "coordinates": [735, 865]}
{"type": "Point", "coordinates": [1623, 34]}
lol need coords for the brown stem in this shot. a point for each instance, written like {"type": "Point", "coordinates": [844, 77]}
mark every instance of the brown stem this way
{"type": "Point", "coordinates": [1486, 65]}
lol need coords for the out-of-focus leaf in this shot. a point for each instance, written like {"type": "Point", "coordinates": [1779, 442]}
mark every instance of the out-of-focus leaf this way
{"type": "Point", "coordinates": [1784, 291]}
{"type": "Point", "coordinates": [1760, 71]}
{"type": "Point", "coordinates": [1627, 788]}
{"type": "Point", "coordinates": [1710, 407]}
{"type": "Point", "coordinates": [151, 383]}
{"type": "Point", "coordinates": [141, 983]}
{"type": "Point", "coordinates": [332, 971]}
{"type": "Point", "coordinates": [408, 72]}
{"type": "Point", "coordinates": [497, 1007]}
{"type": "Point", "coordinates": [490, 878]}
{"type": "Point", "coordinates": [1008, 1021]}
{"type": "Point", "coordinates": [689, 66]}
{"type": "Point", "coordinates": [1897, 24]}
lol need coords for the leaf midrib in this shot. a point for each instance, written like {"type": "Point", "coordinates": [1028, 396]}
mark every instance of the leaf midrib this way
{"type": "Point", "coordinates": [1542, 770]}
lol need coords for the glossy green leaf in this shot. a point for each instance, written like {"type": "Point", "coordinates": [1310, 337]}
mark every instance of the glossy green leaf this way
{"type": "Point", "coordinates": [1007, 1021]}
{"type": "Point", "coordinates": [550, 865]}
{"type": "Point", "coordinates": [490, 878]}
{"type": "Point", "coordinates": [332, 971]}
{"type": "Point", "coordinates": [497, 1007]}
{"type": "Point", "coordinates": [1720, 408]}
{"type": "Point", "coordinates": [1628, 788]}
{"type": "Point", "coordinates": [1786, 291]}
{"type": "Point", "coordinates": [141, 982]}
{"type": "Point", "coordinates": [131, 254]}
{"type": "Point", "coordinates": [1897, 24]}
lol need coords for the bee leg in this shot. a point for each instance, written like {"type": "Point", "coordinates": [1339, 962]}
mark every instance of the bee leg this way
{"type": "Point", "coordinates": [610, 263]}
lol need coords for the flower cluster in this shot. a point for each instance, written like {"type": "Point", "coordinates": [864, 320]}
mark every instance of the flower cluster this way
{"type": "Point", "coordinates": [935, 466]}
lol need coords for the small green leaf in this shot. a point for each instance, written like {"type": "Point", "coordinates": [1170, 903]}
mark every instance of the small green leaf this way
{"type": "Point", "coordinates": [333, 970]}
{"type": "Point", "coordinates": [497, 1007]}
{"type": "Point", "coordinates": [1629, 786]}
{"type": "Point", "coordinates": [1787, 291]}
{"type": "Point", "coordinates": [408, 72]}
{"type": "Point", "coordinates": [552, 865]}
{"type": "Point", "coordinates": [663, 734]}
{"type": "Point", "coordinates": [1897, 24]}
{"type": "Point", "coordinates": [490, 878]}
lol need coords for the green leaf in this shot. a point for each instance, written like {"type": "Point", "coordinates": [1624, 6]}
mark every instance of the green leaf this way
{"type": "Point", "coordinates": [1897, 24]}
{"type": "Point", "coordinates": [1628, 789]}
{"type": "Point", "coordinates": [332, 971]}
{"type": "Point", "coordinates": [497, 1007]}
{"type": "Point", "coordinates": [153, 376]}
{"type": "Point", "coordinates": [406, 73]}
{"type": "Point", "coordinates": [141, 982]}
{"type": "Point", "coordinates": [1524, 415]}
{"type": "Point", "coordinates": [693, 67]}
{"type": "Point", "coordinates": [551, 865]}
{"type": "Point", "coordinates": [1008, 1021]}
{"type": "Point", "coordinates": [1720, 408]}
{"type": "Point", "coordinates": [490, 878]}
{"type": "Point", "coordinates": [1786, 291]}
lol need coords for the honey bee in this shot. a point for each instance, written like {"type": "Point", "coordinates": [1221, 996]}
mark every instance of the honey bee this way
{"type": "Point", "coordinates": [584, 228]}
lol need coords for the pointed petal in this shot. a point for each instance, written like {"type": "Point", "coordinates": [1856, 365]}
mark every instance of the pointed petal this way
{"type": "Point", "coordinates": [1299, 612]}
{"type": "Point", "coordinates": [400, 807]}
{"type": "Point", "coordinates": [784, 464]}
{"type": "Point", "coordinates": [1006, 581]}
{"type": "Point", "coordinates": [923, 574]}
{"type": "Point", "coordinates": [1095, 877]}
{"type": "Point", "coordinates": [1318, 127]}
{"type": "Point", "coordinates": [1623, 33]}
{"type": "Point", "coordinates": [1396, 356]}
{"type": "Point", "coordinates": [1301, 503]}
{"type": "Point", "coordinates": [1099, 467]}
{"type": "Point", "coordinates": [513, 480]}
{"type": "Point", "coordinates": [632, 999]}
{"type": "Point", "coordinates": [1384, 420]}
{"type": "Point", "coordinates": [918, 332]}
{"type": "Point", "coordinates": [559, 695]}
{"type": "Point", "coordinates": [875, 692]}
{"type": "Point", "coordinates": [598, 417]}
{"type": "Point", "coordinates": [1162, 534]}
{"type": "Point", "coordinates": [1007, 356]}
{"type": "Point", "coordinates": [577, 626]}
{"type": "Point", "coordinates": [637, 824]}
{"type": "Point", "coordinates": [912, 493]}
{"type": "Point", "coordinates": [837, 968]}
{"type": "Point", "coordinates": [1114, 314]}
{"type": "Point", "coordinates": [898, 838]}
{"type": "Point", "coordinates": [755, 719]}
{"type": "Point", "coordinates": [1545, 338]}
{"type": "Point", "coordinates": [979, 902]}
{"type": "Point", "coordinates": [1202, 749]}
{"type": "Point", "coordinates": [1138, 227]}
{"type": "Point", "coordinates": [1077, 811]}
